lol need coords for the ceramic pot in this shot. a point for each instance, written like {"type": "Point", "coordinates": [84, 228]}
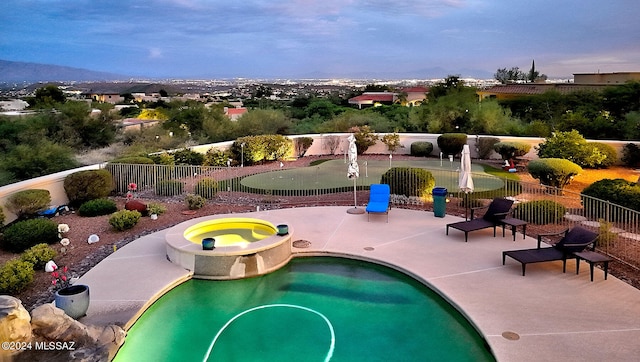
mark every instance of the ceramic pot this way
{"type": "Point", "coordinates": [73, 300]}
{"type": "Point", "coordinates": [283, 229]}
{"type": "Point", "coordinates": [208, 243]}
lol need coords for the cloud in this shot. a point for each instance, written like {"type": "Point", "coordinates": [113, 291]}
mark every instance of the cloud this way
{"type": "Point", "coordinates": [155, 53]}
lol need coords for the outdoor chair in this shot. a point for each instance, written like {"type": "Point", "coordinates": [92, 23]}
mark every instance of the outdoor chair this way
{"type": "Point", "coordinates": [576, 240]}
{"type": "Point", "coordinates": [497, 210]}
{"type": "Point", "coordinates": [379, 195]}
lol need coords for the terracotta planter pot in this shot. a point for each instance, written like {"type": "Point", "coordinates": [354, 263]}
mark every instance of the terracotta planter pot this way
{"type": "Point", "coordinates": [73, 300]}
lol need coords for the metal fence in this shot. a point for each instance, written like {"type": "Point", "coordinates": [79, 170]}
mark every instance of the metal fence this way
{"type": "Point", "coordinates": [546, 209]}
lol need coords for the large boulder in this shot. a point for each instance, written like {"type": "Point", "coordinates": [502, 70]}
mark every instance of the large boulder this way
{"type": "Point", "coordinates": [15, 323]}
{"type": "Point", "coordinates": [136, 205]}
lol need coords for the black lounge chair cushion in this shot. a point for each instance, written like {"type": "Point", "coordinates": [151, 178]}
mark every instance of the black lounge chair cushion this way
{"type": "Point", "coordinates": [576, 239]}
{"type": "Point", "coordinates": [498, 209]}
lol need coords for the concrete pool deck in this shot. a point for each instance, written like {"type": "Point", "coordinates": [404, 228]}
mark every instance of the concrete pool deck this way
{"type": "Point", "coordinates": [556, 316]}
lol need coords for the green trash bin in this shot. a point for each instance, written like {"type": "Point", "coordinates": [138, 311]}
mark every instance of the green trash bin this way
{"type": "Point", "coordinates": [439, 201]}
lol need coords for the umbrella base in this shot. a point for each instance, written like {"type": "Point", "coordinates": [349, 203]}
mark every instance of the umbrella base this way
{"type": "Point", "coordinates": [355, 210]}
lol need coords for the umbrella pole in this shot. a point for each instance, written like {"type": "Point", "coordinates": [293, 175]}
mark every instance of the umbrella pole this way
{"type": "Point", "coordinates": [355, 209]}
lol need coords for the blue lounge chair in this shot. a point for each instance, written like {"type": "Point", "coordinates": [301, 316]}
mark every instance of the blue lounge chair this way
{"type": "Point", "coordinates": [378, 200]}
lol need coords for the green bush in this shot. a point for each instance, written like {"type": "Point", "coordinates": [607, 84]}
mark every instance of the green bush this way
{"type": "Point", "coordinates": [618, 191]}
{"type": "Point", "coordinates": [188, 157]}
{"type": "Point", "coordinates": [485, 146]}
{"type": "Point", "coordinates": [124, 219]}
{"type": "Point", "coordinates": [38, 255]}
{"type": "Point", "coordinates": [97, 207]}
{"type": "Point", "coordinates": [195, 202]}
{"type": "Point", "coordinates": [28, 202]}
{"type": "Point", "coordinates": [216, 157]}
{"type": "Point", "coordinates": [302, 144]}
{"type": "Point", "coordinates": [83, 186]}
{"type": "Point", "coordinates": [163, 158]}
{"type": "Point", "coordinates": [555, 172]}
{"type": "Point", "coordinates": [611, 156]}
{"type": "Point", "coordinates": [421, 148]}
{"type": "Point", "coordinates": [15, 276]}
{"type": "Point", "coordinates": [207, 188]}
{"type": "Point", "coordinates": [261, 148]}
{"type": "Point", "coordinates": [2, 218]}
{"type": "Point", "coordinates": [540, 212]}
{"type": "Point", "coordinates": [365, 138]}
{"type": "Point", "coordinates": [573, 147]}
{"type": "Point", "coordinates": [451, 143]}
{"type": "Point", "coordinates": [631, 155]}
{"type": "Point", "coordinates": [409, 181]}
{"type": "Point", "coordinates": [156, 208]}
{"type": "Point", "coordinates": [27, 233]}
{"type": "Point", "coordinates": [169, 187]}
{"type": "Point", "coordinates": [133, 160]}
{"type": "Point", "coordinates": [510, 150]}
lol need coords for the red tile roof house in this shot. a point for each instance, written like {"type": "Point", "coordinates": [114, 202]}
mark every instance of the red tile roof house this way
{"type": "Point", "coordinates": [415, 96]}
{"type": "Point", "coordinates": [234, 113]}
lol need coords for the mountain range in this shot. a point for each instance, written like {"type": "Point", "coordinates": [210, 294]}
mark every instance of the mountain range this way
{"type": "Point", "coordinates": [19, 72]}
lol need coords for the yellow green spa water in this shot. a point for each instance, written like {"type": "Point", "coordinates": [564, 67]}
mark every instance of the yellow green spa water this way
{"type": "Point", "coordinates": [314, 309]}
{"type": "Point", "coordinates": [230, 231]}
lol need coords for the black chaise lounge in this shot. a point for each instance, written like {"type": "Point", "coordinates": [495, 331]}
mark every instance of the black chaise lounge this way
{"type": "Point", "coordinates": [574, 241]}
{"type": "Point", "coordinates": [498, 210]}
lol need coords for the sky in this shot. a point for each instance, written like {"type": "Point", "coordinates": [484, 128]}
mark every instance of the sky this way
{"type": "Point", "coordinates": [323, 38]}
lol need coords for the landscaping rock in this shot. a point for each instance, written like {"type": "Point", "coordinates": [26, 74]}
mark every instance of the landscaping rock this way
{"type": "Point", "coordinates": [136, 205]}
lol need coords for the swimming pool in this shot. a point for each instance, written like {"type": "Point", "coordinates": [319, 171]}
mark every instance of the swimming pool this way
{"type": "Point", "coordinates": [312, 309]}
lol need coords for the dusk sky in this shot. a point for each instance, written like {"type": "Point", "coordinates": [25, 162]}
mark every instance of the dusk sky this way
{"type": "Point", "coordinates": [323, 38]}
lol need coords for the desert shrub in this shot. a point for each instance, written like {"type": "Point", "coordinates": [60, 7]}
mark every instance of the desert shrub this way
{"type": "Point", "coordinates": [195, 202]}
{"type": "Point", "coordinates": [83, 186]}
{"type": "Point", "coordinates": [261, 148]}
{"type": "Point", "coordinates": [451, 143]}
{"type": "Point", "coordinates": [618, 191]}
{"type": "Point", "coordinates": [554, 172]}
{"type": "Point", "coordinates": [611, 156]}
{"type": "Point", "coordinates": [485, 146]}
{"type": "Point", "coordinates": [207, 188]}
{"type": "Point", "coordinates": [188, 157]}
{"type": "Point", "coordinates": [38, 255]}
{"type": "Point", "coordinates": [133, 160]}
{"type": "Point", "coordinates": [409, 181]}
{"type": "Point", "coordinates": [28, 202]}
{"type": "Point", "coordinates": [392, 141]}
{"type": "Point", "coordinates": [216, 157]}
{"type": "Point", "coordinates": [631, 155]}
{"type": "Point", "coordinates": [156, 208]}
{"type": "Point", "coordinates": [97, 207]}
{"type": "Point", "coordinates": [2, 218]}
{"type": "Point", "coordinates": [169, 187]}
{"type": "Point", "coordinates": [421, 148]}
{"type": "Point", "coordinates": [124, 219]}
{"type": "Point", "coordinates": [510, 150]}
{"type": "Point", "coordinates": [573, 147]}
{"type": "Point", "coordinates": [163, 158]}
{"type": "Point", "coordinates": [15, 276]}
{"type": "Point", "coordinates": [27, 233]}
{"type": "Point", "coordinates": [365, 138]}
{"type": "Point", "coordinates": [540, 212]}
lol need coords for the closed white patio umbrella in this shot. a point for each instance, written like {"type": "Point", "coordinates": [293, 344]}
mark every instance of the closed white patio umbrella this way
{"type": "Point", "coordinates": [465, 181]}
{"type": "Point", "coordinates": [353, 172]}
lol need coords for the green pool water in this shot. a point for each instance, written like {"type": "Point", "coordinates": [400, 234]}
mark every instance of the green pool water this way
{"type": "Point", "coordinates": [313, 309]}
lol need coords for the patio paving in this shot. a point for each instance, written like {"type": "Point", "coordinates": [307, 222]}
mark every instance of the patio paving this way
{"type": "Point", "coordinates": [544, 316]}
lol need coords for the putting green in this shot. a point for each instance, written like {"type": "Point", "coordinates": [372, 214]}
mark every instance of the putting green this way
{"type": "Point", "coordinates": [333, 174]}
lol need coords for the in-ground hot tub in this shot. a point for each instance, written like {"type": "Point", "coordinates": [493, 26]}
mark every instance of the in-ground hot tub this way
{"type": "Point", "coordinates": [243, 247]}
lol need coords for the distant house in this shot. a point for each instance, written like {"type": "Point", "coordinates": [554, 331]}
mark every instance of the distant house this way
{"type": "Point", "coordinates": [234, 113]}
{"type": "Point", "coordinates": [582, 82]}
{"type": "Point", "coordinates": [414, 96]}
{"type": "Point", "coordinates": [107, 97]}
{"type": "Point", "coordinates": [368, 99]}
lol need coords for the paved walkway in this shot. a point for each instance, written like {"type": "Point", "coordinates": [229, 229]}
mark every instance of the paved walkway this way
{"type": "Point", "coordinates": [544, 316]}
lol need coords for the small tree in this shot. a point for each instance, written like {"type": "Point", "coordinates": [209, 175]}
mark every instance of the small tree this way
{"type": "Point", "coordinates": [573, 147]}
{"type": "Point", "coordinates": [510, 150]}
{"type": "Point", "coordinates": [332, 143]}
{"type": "Point", "coordinates": [392, 140]}
{"type": "Point", "coordinates": [302, 144]}
{"type": "Point", "coordinates": [365, 138]}
{"type": "Point", "coordinates": [452, 143]}
{"type": "Point", "coordinates": [555, 172]}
